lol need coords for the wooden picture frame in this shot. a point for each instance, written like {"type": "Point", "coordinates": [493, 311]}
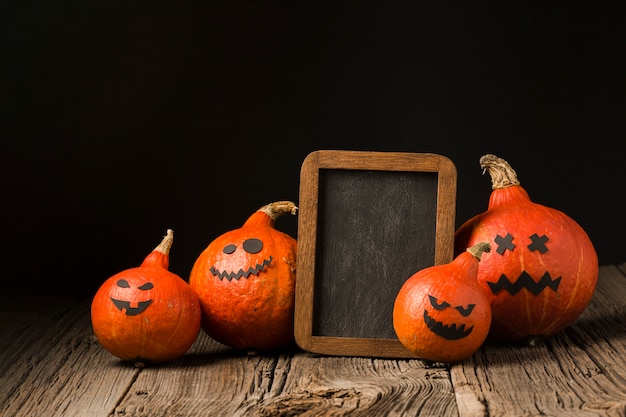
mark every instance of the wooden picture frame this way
{"type": "Point", "coordinates": [366, 222]}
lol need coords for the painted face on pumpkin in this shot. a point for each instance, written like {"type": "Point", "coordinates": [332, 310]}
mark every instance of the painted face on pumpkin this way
{"type": "Point", "coordinates": [125, 305]}
{"type": "Point", "coordinates": [450, 331]}
{"type": "Point", "coordinates": [537, 244]}
{"type": "Point", "coordinates": [249, 246]}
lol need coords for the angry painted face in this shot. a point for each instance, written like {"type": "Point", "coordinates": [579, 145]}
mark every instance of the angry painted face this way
{"type": "Point", "coordinates": [449, 321]}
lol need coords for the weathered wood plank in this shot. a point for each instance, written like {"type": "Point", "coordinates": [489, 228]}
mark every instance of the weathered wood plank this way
{"type": "Point", "coordinates": [52, 365]}
{"type": "Point", "coordinates": [56, 367]}
{"type": "Point", "coordinates": [24, 321]}
{"type": "Point", "coordinates": [215, 380]}
{"type": "Point", "coordinates": [579, 372]}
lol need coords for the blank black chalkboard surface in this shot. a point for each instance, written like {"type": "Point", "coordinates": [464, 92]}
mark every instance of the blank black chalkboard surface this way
{"type": "Point", "coordinates": [367, 221]}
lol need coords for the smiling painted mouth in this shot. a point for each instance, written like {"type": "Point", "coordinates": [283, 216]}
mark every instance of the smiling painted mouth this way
{"type": "Point", "coordinates": [450, 332]}
{"type": "Point", "coordinates": [256, 270]}
{"type": "Point", "coordinates": [131, 311]}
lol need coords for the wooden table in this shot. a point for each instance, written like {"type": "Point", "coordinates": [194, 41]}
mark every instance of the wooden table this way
{"type": "Point", "coordinates": [52, 365]}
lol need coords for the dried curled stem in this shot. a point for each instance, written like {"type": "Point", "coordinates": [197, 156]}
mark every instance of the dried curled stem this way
{"type": "Point", "coordinates": [166, 244]}
{"type": "Point", "coordinates": [278, 208]}
{"type": "Point", "coordinates": [502, 175]}
{"type": "Point", "coordinates": [478, 249]}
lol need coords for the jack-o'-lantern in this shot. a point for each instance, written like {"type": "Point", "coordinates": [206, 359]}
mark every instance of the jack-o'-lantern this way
{"type": "Point", "coordinates": [245, 281]}
{"type": "Point", "coordinates": [543, 269]}
{"type": "Point", "coordinates": [441, 313]}
{"type": "Point", "coordinates": [146, 314]}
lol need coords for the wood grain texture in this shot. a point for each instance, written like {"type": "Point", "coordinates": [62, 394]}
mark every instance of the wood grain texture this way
{"type": "Point", "coordinates": [60, 369]}
{"type": "Point", "coordinates": [52, 365]}
{"type": "Point", "coordinates": [578, 372]}
{"type": "Point", "coordinates": [213, 380]}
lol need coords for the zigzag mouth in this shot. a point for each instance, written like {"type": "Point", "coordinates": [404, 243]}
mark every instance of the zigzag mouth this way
{"type": "Point", "coordinates": [449, 331]}
{"type": "Point", "coordinates": [255, 270]}
{"type": "Point", "coordinates": [525, 281]}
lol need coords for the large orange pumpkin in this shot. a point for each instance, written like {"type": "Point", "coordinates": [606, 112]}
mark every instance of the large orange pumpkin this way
{"type": "Point", "coordinates": [147, 314]}
{"type": "Point", "coordinates": [543, 268]}
{"type": "Point", "coordinates": [441, 313]}
{"type": "Point", "coordinates": [245, 281]}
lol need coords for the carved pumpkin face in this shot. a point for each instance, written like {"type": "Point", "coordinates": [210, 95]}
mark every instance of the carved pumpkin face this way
{"type": "Point", "coordinates": [530, 276]}
{"type": "Point", "coordinates": [245, 280]}
{"type": "Point", "coordinates": [146, 315]}
{"type": "Point", "coordinates": [441, 313]}
{"type": "Point", "coordinates": [453, 314]}
{"type": "Point", "coordinates": [543, 268]}
{"type": "Point", "coordinates": [129, 299]}
{"type": "Point", "coordinates": [442, 310]}
{"type": "Point", "coordinates": [524, 281]}
{"type": "Point", "coordinates": [240, 256]}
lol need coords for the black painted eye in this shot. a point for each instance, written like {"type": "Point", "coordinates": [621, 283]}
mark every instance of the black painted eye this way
{"type": "Point", "coordinates": [538, 243]}
{"type": "Point", "coordinates": [504, 243]}
{"type": "Point", "coordinates": [436, 305]}
{"type": "Point", "coordinates": [146, 286]}
{"type": "Point", "coordinates": [228, 249]}
{"type": "Point", "coordinates": [123, 283]}
{"type": "Point", "coordinates": [465, 311]}
{"type": "Point", "coordinates": [252, 245]}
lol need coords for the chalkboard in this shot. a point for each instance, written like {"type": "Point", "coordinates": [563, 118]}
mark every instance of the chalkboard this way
{"type": "Point", "coordinates": [366, 222]}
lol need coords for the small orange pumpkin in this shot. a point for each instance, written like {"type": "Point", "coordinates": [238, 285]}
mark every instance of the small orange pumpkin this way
{"type": "Point", "coordinates": [245, 281]}
{"type": "Point", "coordinates": [543, 269]}
{"type": "Point", "coordinates": [147, 314]}
{"type": "Point", "coordinates": [441, 313]}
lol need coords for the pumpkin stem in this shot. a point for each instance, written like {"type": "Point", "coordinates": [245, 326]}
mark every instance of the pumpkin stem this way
{"type": "Point", "coordinates": [478, 249]}
{"type": "Point", "coordinates": [166, 244]}
{"type": "Point", "coordinates": [502, 175]}
{"type": "Point", "coordinates": [278, 208]}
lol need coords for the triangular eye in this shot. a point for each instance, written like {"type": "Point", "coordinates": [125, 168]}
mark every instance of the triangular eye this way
{"type": "Point", "coordinates": [465, 311]}
{"type": "Point", "coordinates": [437, 305]}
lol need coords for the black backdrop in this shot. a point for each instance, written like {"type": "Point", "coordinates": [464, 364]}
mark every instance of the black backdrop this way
{"type": "Point", "coordinates": [122, 119]}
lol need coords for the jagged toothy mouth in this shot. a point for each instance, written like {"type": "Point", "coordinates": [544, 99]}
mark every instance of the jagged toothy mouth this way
{"type": "Point", "coordinates": [255, 270]}
{"type": "Point", "coordinates": [525, 281]}
{"type": "Point", "coordinates": [450, 332]}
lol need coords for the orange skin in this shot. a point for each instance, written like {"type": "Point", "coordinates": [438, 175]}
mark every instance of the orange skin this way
{"type": "Point", "coordinates": [463, 312]}
{"type": "Point", "coordinates": [248, 298]}
{"type": "Point", "coordinates": [541, 242]}
{"type": "Point", "coordinates": [146, 314]}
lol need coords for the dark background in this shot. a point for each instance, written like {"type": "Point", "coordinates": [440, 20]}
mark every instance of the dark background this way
{"type": "Point", "coordinates": [122, 119]}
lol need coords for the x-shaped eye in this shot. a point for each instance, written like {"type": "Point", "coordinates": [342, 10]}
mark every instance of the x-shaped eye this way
{"type": "Point", "coordinates": [437, 305]}
{"type": "Point", "coordinates": [538, 243]}
{"type": "Point", "coordinates": [465, 311]}
{"type": "Point", "coordinates": [504, 243]}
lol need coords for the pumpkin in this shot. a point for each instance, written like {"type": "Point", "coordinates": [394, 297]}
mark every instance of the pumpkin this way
{"type": "Point", "coordinates": [147, 314]}
{"type": "Point", "coordinates": [441, 313]}
{"type": "Point", "coordinates": [543, 269]}
{"type": "Point", "coordinates": [245, 281]}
